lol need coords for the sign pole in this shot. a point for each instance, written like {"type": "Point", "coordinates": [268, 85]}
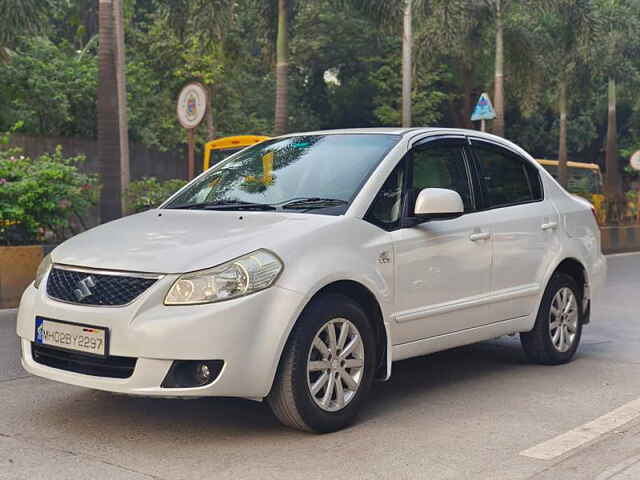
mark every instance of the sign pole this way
{"type": "Point", "coordinates": [191, 163]}
{"type": "Point", "coordinates": [484, 111]}
{"type": "Point", "coordinates": [191, 108]}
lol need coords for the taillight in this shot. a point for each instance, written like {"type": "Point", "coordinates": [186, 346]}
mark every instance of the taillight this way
{"type": "Point", "coordinates": [595, 214]}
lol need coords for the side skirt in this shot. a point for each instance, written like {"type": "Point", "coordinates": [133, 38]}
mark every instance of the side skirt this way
{"type": "Point", "coordinates": [463, 337]}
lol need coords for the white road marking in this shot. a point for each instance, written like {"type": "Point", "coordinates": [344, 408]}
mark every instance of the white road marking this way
{"type": "Point", "coordinates": [628, 254]}
{"type": "Point", "coordinates": [626, 469]}
{"type": "Point", "coordinates": [587, 433]}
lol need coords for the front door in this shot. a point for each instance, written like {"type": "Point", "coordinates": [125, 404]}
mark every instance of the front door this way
{"type": "Point", "coordinates": [443, 267]}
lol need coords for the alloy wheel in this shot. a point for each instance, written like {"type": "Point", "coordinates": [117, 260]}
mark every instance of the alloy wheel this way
{"type": "Point", "coordinates": [335, 364]}
{"type": "Point", "coordinates": [563, 319]}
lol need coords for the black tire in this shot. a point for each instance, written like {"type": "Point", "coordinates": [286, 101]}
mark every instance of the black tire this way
{"type": "Point", "coordinates": [290, 398]}
{"type": "Point", "coordinates": [537, 344]}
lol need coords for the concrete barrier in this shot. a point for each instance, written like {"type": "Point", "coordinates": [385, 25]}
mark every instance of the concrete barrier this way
{"type": "Point", "coordinates": [619, 239]}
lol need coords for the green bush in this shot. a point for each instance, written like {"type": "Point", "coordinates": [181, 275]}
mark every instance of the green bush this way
{"type": "Point", "coordinates": [43, 200]}
{"type": "Point", "coordinates": [149, 193]}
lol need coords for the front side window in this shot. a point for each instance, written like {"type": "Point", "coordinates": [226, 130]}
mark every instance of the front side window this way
{"type": "Point", "coordinates": [437, 164]}
{"type": "Point", "coordinates": [442, 165]}
{"type": "Point", "coordinates": [386, 208]}
{"type": "Point", "coordinates": [292, 172]}
{"type": "Point", "coordinates": [507, 179]}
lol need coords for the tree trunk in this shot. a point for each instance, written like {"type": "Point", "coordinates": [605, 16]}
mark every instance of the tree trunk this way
{"type": "Point", "coordinates": [108, 118]}
{"type": "Point", "coordinates": [123, 117]}
{"type": "Point", "coordinates": [498, 123]}
{"type": "Point", "coordinates": [211, 129]}
{"type": "Point", "coordinates": [563, 174]}
{"type": "Point", "coordinates": [613, 184]}
{"type": "Point", "coordinates": [407, 44]}
{"type": "Point", "coordinates": [282, 67]}
{"type": "Point", "coordinates": [467, 96]}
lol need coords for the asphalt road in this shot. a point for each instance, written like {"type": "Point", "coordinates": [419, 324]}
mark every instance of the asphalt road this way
{"type": "Point", "coordinates": [464, 413]}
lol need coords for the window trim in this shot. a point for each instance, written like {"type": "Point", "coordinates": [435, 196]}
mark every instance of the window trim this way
{"type": "Point", "coordinates": [529, 167]}
{"type": "Point", "coordinates": [404, 163]}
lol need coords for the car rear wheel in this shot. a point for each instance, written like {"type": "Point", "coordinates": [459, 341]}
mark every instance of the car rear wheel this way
{"type": "Point", "coordinates": [556, 334]}
{"type": "Point", "coordinates": [327, 367]}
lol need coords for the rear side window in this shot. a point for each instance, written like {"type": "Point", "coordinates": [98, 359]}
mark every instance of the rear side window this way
{"type": "Point", "coordinates": [507, 178]}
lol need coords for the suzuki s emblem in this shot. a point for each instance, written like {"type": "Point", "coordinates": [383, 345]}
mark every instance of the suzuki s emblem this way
{"type": "Point", "coordinates": [84, 288]}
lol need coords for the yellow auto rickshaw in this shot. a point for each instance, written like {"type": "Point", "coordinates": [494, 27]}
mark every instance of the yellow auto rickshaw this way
{"type": "Point", "coordinates": [585, 179]}
{"type": "Point", "coordinates": [217, 150]}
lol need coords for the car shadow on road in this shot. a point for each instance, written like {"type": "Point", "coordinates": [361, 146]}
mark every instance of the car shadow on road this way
{"type": "Point", "coordinates": [446, 373]}
{"type": "Point", "coordinates": [416, 381]}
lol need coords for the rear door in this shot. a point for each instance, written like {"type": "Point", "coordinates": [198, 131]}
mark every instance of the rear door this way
{"type": "Point", "coordinates": [524, 225]}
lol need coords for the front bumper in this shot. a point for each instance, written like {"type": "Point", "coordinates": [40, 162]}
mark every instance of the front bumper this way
{"type": "Point", "coordinates": [247, 333]}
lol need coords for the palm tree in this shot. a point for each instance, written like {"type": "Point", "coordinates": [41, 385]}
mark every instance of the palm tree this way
{"type": "Point", "coordinates": [477, 13]}
{"type": "Point", "coordinates": [282, 68]}
{"type": "Point", "coordinates": [407, 62]}
{"type": "Point", "coordinates": [113, 142]}
{"type": "Point", "coordinates": [387, 14]}
{"type": "Point", "coordinates": [20, 17]}
{"type": "Point", "coordinates": [566, 29]}
{"type": "Point", "coordinates": [208, 20]}
{"type": "Point", "coordinates": [277, 15]}
{"type": "Point", "coordinates": [619, 21]}
{"type": "Point", "coordinates": [498, 97]}
{"type": "Point", "coordinates": [454, 30]}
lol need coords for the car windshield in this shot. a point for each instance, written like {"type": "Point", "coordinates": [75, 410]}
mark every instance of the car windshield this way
{"type": "Point", "coordinates": [311, 172]}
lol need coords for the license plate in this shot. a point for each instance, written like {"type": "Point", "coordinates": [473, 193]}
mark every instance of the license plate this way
{"type": "Point", "coordinates": [71, 336]}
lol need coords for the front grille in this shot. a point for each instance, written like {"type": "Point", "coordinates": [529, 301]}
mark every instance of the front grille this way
{"type": "Point", "coordinates": [113, 367]}
{"type": "Point", "coordinates": [88, 288]}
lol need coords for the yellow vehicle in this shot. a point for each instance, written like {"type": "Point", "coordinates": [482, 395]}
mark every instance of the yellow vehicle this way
{"type": "Point", "coordinates": [585, 179]}
{"type": "Point", "coordinates": [217, 150]}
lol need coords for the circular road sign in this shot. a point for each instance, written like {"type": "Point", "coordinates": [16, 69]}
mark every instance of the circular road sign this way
{"type": "Point", "coordinates": [192, 105]}
{"type": "Point", "coordinates": [634, 161]}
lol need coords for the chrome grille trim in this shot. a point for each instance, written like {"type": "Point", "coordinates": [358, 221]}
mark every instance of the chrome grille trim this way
{"type": "Point", "coordinates": [114, 273]}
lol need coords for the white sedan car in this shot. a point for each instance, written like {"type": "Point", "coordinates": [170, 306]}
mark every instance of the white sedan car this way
{"type": "Point", "coordinates": [299, 269]}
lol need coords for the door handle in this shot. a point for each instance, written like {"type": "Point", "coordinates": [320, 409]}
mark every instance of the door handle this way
{"type": "Point", "coordinates": [549, 226]}
{"type": "Point", "coordinates": [474, 237]}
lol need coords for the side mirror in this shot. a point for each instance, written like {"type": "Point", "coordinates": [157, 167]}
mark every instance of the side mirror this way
{"type": "Point", "coordinates": [438, 203]}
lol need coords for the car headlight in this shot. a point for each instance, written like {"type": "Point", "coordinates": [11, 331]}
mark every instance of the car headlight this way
{"type": "Point", "coordinates": [43, 268]}
{"type": "Point", "coordinates": [242, 276]}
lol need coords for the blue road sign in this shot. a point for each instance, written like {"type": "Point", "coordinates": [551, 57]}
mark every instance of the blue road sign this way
{"type": "Point", "coordinates": [484, 109]}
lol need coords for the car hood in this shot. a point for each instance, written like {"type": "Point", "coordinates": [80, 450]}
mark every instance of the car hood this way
{"type": "Point", "coordinates": [178, 241]}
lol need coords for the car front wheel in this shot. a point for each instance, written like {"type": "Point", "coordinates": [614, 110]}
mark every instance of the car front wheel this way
{"type": "Point", "coordinates": [327, 367]}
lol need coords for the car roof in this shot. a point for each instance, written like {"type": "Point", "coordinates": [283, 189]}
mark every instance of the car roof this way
{"type": "Point", "coordinates": [372, 130]}
{"type": "Point", "coordinates": [404, 131]}
{"type": "Point", "coordinates": [415, 131]}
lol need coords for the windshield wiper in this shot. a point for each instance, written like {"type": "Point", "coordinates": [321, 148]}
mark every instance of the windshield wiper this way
{"type": "Point", "coordinates": [313, 202]}
{"type": "Point", "coordinates": [226, 205]}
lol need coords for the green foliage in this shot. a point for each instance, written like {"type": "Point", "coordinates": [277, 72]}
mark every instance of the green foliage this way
{"type": "Point", "coordinates": [426, 98]}
{"type": "Point", "coordinates": [344, 66]}
{"type": "Point", "coordinates": [50, 88]}
{"type": "Point", "coordinates": [20, 17]}
{"type": "Point", "coordinates": [5, 137]}
{"type": "Point", "coordinates": [42, 200]}
{"type": "Point", "coordinates": [150, 193]}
